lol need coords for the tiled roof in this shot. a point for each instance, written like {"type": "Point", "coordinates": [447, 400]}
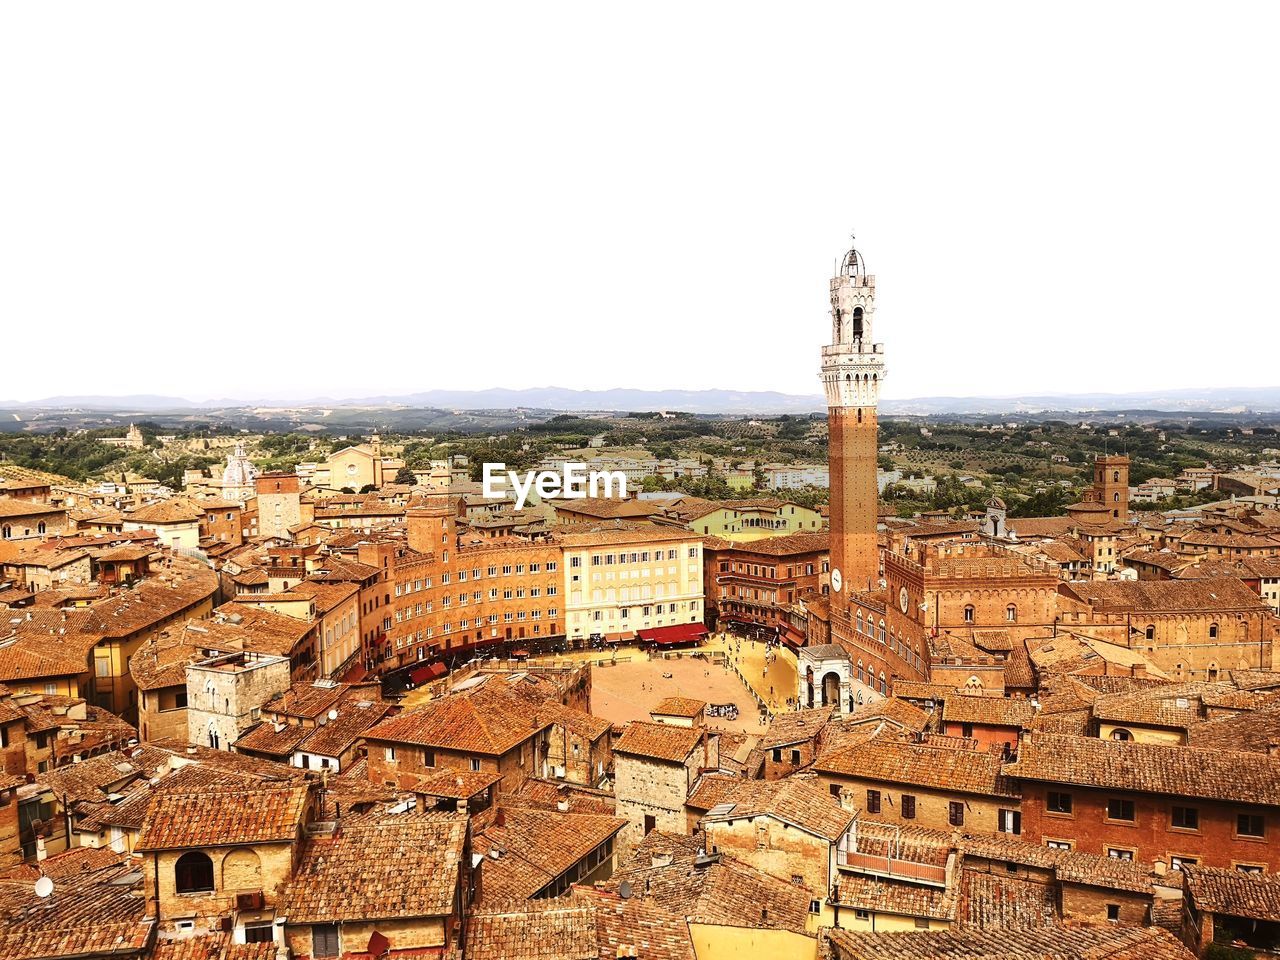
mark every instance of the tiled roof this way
{"type": "Point", "coordinates": [897, 897]}
{"type": "Point", "coordinates": [557, 929]}
{"type": "Point", "coordinates": [335, 736]}
{"type": "Point", "coordinates": [1165, 596]}
{"type": "Point", "coordinates": [795, 726]}
{"type": "Point", "coordinates": [226, 817]}
{"type": "Point", "coordinates": [901, 761]}
{"type": "Point", "coordinates": [166, 511]}
{"type": "Point", "coordinates": [1001, 901]}
{"type": "Point", "coordinates": [274, 740]}
{"type": "Point", "coordinates": [1177, 771]}
{"type": "Point", "coordinates": [723, 892]}
{"type": "Point", "coordinates": [94, 912]}
{"type": "Point", "coordinates": [211, 946]}
{"type": "Point", "coordinates": [798, 801]}
{"type": "Point", "coordinates": [1171, 705]}
{"type": "Point", "coordinates": [539, 845]}
{"type": "Point", "coordinates": [490, 720]}
{"type": "Point", "coordinates": [992, 711]}
{"type": "Point", "coordinates": [1052, 942]}
{"type": "Point", "coordinates": [379, 868]}
{"type": "Point", "coordinates": [1252, 895]}
{"type": "Point", "coordinates": [1254, 731]}
{"type": "Point", "coordinates": [658, 741]}
{"type": "Point", "coordinates": [679, 707]}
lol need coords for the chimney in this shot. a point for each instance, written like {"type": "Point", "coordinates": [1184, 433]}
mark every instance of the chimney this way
{"type": "Point", "coordinates": [1273, 748]}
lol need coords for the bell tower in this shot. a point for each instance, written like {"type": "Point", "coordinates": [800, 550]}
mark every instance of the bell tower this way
{"type": "Point", "coordinates": [852, 368]}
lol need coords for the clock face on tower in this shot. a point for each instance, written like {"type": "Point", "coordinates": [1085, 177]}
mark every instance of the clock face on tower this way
{"type": "Point", "coordinates": [903, 599]}
{"type": "Point", "coordinates": [836, 580]}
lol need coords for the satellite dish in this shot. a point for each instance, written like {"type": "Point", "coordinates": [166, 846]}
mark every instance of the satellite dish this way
{"type": "Point", "coordinates": [624, 888]}
{"type": "Point", "coordinates": [44, 887]}
{"type": "Point", "coordinates": [333, 714]}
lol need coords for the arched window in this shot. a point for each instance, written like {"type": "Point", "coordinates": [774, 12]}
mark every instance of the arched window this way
{"type": "Point", "coordinates": [882, 631]}
{"type": "Point", "coordinates": [40, 527]}
{"type": "Point", "coordinates": [1119, 733]}
{"type": "Point", "coordinates": [857, 323]}
{"type": "Point", "coordinates": [1011, 613]}
{"type": "Point", "coordinates": [858, 621]}
{"type": "Point", "coordinates": [1151, 631]}
{"type": "Point", "coordinates": [1115, 497]}
{"type": "Point", "coordinates": [884, 686]}
{"type": "Point", "coordinates": [6, 531]}
{"type": "Point", "coordinates": [1213, 631]}
{"type": "Point", "coordinates": [968, 613]}
{"type": "Point", "coordinates": [862, 673]}
{"type": "Point", "coordinates": [193, 873]}
{"type": "Point", "coordinates": [1213, 671]}
{"type": "Point", "coordinates": [1115, 477]}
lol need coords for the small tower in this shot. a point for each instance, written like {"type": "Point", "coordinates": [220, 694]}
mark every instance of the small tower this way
{"type": "Point", "coordinates": [852, 368]}
{"type": "Point", "coordinates": [994, 524]}
{"type": "Point", "coordinates": [1111, 484]}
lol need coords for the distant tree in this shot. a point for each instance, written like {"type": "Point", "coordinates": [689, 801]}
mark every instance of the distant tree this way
{"type": "Point", "coordinates": [405, 475]}
{"type": "Point", "coordinates": [368, 488]}
{"type": "Point", "coordinates": [348, 490]}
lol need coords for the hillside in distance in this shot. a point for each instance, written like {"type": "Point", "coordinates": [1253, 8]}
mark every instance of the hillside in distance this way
{"type": "Point", "coordinates": [711, 401]}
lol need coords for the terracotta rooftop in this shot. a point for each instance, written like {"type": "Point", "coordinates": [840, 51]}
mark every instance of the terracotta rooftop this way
{"type": "Point", "coordinates": [679, 707]}
{"type": "Point", "coordinates": [1252, 895]}
{"type": "Point", "coordinates": [801, 802]}
{"type": "Point", "coordinates": [990, 711]}
{"type": "Point", "coordinates": [890, 760]}
{"type": "Point", "coordinates": [658, 741]}
{"type": "Point", "coordinates": [537, 846]}
{"type": "Point", "coordinates": [1159, 596]}
{"type": "Point", "coordinates": [1053, 942]}
{"type": "Point", "coordinates": [384, 868]}
{"type": "Point", "coordinates": [489, 720]}
{"type": "Point", "coordinates": [1177, 771]}
{"type": "Point", "coordinates": [230, 817]}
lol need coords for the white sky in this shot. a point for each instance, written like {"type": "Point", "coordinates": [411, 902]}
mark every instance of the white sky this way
{"type": "Point", "coordinates": [278, 199]}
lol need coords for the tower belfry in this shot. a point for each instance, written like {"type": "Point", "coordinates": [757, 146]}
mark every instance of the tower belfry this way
{"type": "Point", "coordinates": [852, 368]}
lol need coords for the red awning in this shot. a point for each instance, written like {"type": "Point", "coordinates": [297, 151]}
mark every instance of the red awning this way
{"type": "Point", "coordinates": [676, 633]}
{"type": "Point", "coordinates": [430, 672]}
{"type": "Point", "coordinates": [519, 654]}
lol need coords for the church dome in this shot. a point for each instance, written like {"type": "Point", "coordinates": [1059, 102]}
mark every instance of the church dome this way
{"type": "Point", "coordinates": [240, 471]}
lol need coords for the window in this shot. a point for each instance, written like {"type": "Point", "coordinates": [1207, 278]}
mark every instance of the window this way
{"type": "Point", "coordinates": [1113, 912]}
{"type": "Point", "coordinates": [1251, 867]}
{"type": "Point", "coordinates": [968, 614]}
{"type": "Point", "coordinates": [1009, 821]}
{"type": "Point", "coordinates": [1120, 810]}
{"type": "Point", "coordinates": [908, 807]}
{"type": "Point", "coordinates": [259, 933]}
{"type": "Point", "coordinates": [389, 753]}
{"type": "Point", "coordinates": [966, 729]}
{"type": "Point", "coordinates": [428, 758]}
{"type": "Point", "coordinates": [1056, 802]}
{"type": "Point", "coordinates": [815, 906]}
{"type": "Point", "coordinates": [795, 757]}
{"type": "Point", "coordinates": [1121, 734]}
{"type": "Point", "coordinates": [1177, 863]}
{"type": "Point", "coordinates": [955, 813]}
{"type": "Point", "coordinates": [1151, 631]}
{"type": "Point", "coordinates": [324, 940]}
{"type": "Point", "coordinates": [873, 800]}
{"type": "Point", "coordinates": [475, 764]}
{"type": "Point", "coordinates": [1011, 613]}
{"type": "Point", "coordinates": [1185, 818]}
{"type": "Point", "coordinates": [1119, 853]}
{"type": "Point", "coordinates": [1213, 631]}
{"type": "Point", "coordinates": [1250, 825]}
{"type": "Point", "coordinates": [862, 914]}
{"type": "Point", "coordinates": [193, 873]}
{"type": "Point", "coordinates": [1058, 844]}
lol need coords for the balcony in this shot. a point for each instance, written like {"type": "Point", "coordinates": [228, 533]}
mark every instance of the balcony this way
{"type": "Point", "coordinates": [882, 866]}
{"type": "Point", "coordinates": [883, 854]}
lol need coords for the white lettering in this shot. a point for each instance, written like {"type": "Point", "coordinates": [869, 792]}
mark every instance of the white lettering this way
{"type": "Point", "coordinates": [608, 477]}
{"type": "Point", "coordinates": [573, 483]}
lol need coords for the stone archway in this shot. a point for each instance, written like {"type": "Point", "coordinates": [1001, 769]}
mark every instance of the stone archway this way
{"type": "Point", "coordinates": [830, 688]}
